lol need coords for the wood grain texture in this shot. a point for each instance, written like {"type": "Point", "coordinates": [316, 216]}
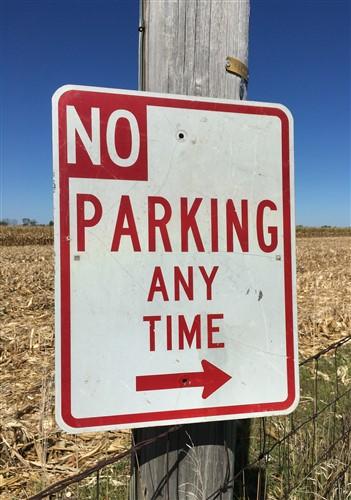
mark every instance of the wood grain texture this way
{"type": "Point", "coordinates": [185, 46]}
{"type": "Point", "coordinates": [196, 462]}
{"type": "Point", "coordinates": [186, 43]}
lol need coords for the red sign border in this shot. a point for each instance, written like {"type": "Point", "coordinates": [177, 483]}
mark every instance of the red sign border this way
{"type": "Point", "coordinates": [64, 245]}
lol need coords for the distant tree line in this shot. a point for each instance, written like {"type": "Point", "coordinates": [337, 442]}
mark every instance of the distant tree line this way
{"type": "Point", "coordinates": [301, 226]}
{"type": "Point", "coordinates": [29, 222]}
{"type": "Point", "coordinates": [8, 222]}
{"type": "Point", "coordinates": [26, 221]}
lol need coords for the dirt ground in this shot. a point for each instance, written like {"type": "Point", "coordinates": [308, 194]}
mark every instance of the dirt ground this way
{"type": "Point", "coordinates": [33, 451]}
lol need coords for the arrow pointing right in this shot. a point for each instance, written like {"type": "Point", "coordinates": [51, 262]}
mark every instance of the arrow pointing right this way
{"type": "Point", "coordinates": [211, 379]}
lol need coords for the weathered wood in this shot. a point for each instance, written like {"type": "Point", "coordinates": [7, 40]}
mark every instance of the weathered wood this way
{"type": "Point", "coordinates": [196, 462]}
{"type": "Point", "coordinates": [185, 46]}
{"type": "Point", "coordinates": [186, 43]}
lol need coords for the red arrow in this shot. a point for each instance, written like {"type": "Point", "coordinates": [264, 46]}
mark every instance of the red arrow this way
{"type": "Point", "coordinates": [211, 379]}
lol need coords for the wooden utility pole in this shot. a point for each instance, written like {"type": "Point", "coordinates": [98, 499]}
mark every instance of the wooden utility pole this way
{"type": "Point", "coordinates": [183, 50]}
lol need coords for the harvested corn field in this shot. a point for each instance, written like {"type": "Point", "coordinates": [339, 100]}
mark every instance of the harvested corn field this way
{"type": "Point", "coordinates": [26, 235]}
{"type": "Point", "coordinates": [34, 453]}
{"type": "Point", "coordinates": [323, 292]}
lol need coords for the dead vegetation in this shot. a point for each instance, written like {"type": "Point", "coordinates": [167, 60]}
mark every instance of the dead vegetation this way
{"type": "Point", "coordinates": [33, 451]}
{"type": "Point", "coordinates": [26, 235]}
{"type": "Point", "coordinates": [324, 231]}
{"type": "Point", "coordinates": [323, 291]}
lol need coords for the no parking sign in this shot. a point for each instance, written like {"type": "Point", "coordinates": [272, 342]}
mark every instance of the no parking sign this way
{"type": "Point", "coordinates": [175, 259]}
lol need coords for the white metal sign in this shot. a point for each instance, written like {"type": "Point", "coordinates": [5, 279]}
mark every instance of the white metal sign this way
{"type": "Point", "coordinates": [175, 266]}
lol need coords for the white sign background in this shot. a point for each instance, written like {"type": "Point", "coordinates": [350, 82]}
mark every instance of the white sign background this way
{"type": "Point", "coordinates": [223, 155]}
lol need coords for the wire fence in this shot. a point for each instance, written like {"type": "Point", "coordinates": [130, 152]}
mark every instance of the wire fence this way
{"type": "Point", "coordinates": [305, 455]}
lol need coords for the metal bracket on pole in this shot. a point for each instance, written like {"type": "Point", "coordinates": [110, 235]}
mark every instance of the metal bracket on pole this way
{"type": "Point", "coordinates": [237, 68]}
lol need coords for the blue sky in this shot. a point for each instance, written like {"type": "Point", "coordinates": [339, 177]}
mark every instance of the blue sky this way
{"type": "Point", "coordinates": [299, 55]}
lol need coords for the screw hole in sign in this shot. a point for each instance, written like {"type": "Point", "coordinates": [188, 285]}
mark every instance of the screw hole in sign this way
{"type": "Point", "coordinates": [181, 136]}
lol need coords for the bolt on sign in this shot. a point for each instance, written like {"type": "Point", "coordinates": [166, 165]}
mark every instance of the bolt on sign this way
{"type": "Point", "coordinates": [175, 266]}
